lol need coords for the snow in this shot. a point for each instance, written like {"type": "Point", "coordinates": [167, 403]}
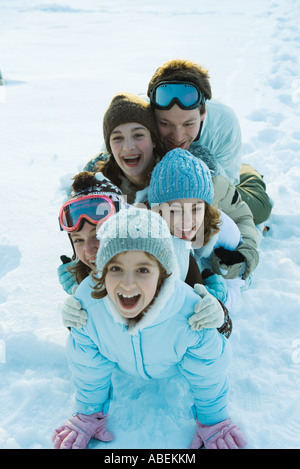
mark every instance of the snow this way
{"type": "Point", "coordinates": [61, 63]}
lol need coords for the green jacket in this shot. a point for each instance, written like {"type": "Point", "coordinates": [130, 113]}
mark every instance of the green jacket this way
{"type": "Point", "coordinates": [229, 201]}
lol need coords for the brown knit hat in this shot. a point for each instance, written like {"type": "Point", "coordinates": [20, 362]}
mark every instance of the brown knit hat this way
{"type": "Point", "coordinates": [182, 70]}
{"type": "Point", "coordinates": [128, 107]}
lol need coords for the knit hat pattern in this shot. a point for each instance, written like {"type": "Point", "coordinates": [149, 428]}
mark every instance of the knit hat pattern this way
{"type": "Point", "coordinates": [180, 175]}
{"type": "Point", "coordinates": [128, 107]}
{"type": "Point", "coordinates": [88, 183]}
{"type": "Point", "coordinates": [135, 229]}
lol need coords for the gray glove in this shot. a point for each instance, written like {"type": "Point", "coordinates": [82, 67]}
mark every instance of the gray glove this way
{"type": "Point", "coordinates": [208, 313]}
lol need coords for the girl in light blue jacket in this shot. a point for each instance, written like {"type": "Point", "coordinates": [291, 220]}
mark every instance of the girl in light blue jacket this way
{"type": "Point", "coordinates": [138, 313]}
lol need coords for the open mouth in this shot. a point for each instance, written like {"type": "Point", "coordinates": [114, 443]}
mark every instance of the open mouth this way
{"type": "Point", "coordinates": [92, 263]}
{"type": "Point", "coordinates": [132, 161]}
{"type": "Point", "coordinates": [128, 301]}
{"type": "Point", "coordinates": [187, 234]}
{"type": "Point", "coordinates": [172, 145]}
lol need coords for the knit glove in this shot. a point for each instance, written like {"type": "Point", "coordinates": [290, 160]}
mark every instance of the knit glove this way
{"type": "Point", "coordinates": [92, 164]}
{"type": "Point", "coordinates": [208, 313]}
{"type": "Point", "coordinates": [222, 435]}
{"type": "Point", "coordinates": [227, 263]}
{"type": "Point", "coordinates": [66, 279]}
{"type": "Point", "coordinates": [77, 432]}
{"type": "Point", "coordinates": [72, 313]}
{"type": "Point", "coordinates": [215, 285]}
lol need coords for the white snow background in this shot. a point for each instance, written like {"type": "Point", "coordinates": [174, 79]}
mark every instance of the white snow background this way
{"type": "Point", "coordinates": [61, 63]}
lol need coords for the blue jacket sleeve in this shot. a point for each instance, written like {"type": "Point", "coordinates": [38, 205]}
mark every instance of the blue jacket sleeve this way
{"type": "Point", "coordinates": [91, 373]}
{"type": "Point", "coordinates": [66, 279]}
{"type": "Point", "coordinates": [221, 134]}
{"type": "Point", "coordinates": [205, 367]}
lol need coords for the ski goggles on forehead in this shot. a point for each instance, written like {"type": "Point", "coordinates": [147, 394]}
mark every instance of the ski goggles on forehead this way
{"type": "Point", "coordinates": [185, 94]}
{"type": "Point", "coordinates": [94, 208]}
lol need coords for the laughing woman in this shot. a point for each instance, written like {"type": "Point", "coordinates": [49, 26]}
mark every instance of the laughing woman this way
{"type": "Point", "coordinates": [132, 142]}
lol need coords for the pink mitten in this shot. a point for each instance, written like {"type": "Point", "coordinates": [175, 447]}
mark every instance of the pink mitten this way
{"type": "Point", "coordinates": [77, 432]}
{"type": "Point", "coordinates": [222, 435]}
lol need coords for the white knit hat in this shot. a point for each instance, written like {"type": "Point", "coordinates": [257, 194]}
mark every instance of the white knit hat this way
{"type": "Point", "coordinates": [135, 229]}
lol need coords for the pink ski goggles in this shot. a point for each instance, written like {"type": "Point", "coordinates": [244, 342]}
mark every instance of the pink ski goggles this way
{"type": "Point", "coordinates": [94, 208]}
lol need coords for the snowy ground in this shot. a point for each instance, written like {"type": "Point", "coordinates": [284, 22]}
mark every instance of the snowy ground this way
{"type": "Point", "coordinates": [61, 63]}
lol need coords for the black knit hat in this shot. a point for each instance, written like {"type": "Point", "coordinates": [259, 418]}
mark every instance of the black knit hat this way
{"type": "Point", "coordinates": [85, 183]}
{"type": "Point", "coordinates": [128, 107]}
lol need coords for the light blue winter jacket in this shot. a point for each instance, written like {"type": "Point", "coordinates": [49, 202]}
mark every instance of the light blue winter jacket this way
{"type": "Point", "coordinates": [160, 345]}
{"type": "Point", "coordinates": [221, 134]}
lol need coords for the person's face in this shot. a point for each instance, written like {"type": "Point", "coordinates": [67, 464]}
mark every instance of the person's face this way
{"type": "Point", "coordinates": [86, 244]}
{"type": "Point", "coordinates": [178, 128]}
{"type": "Point", "coordinates": [132, 148]}
{"type": "Point", "coordinates": [185, 217]}
{"type": "Point", "coordinates": [131, 282]}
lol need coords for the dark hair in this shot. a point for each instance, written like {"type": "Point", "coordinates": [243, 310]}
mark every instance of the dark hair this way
{"type": "Point", "coordinates": [80, 271]}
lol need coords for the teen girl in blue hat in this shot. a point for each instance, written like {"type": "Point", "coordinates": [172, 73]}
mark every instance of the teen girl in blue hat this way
{"type": "Point", "coordinates": [181, 188]}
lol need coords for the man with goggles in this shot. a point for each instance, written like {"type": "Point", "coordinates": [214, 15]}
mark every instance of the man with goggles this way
{"type": "Point", "coordinates": [188, 117]}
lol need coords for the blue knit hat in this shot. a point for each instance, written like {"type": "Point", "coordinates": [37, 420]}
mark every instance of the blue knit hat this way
{"type": "Point", "coordinates": [135, 229]}
{"type": "Point", "coordinates": [180, 175]}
